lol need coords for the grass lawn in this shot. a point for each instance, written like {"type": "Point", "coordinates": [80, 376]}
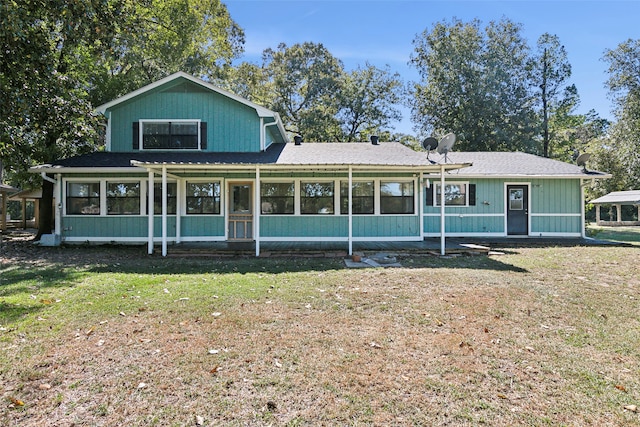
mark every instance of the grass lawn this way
{"type": "Point", "coordinates": [629, 235]}
{"type": "Point", "coordinates": [110, 336]}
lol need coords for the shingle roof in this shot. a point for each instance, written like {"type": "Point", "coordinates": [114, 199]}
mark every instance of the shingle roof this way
{"type": "Point", "coordinates": [631, 197]}
{"type": "Point", "coordinates": [513, 164]}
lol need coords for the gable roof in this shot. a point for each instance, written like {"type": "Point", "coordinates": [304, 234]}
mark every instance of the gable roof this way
{"type": "Point", "coordinates": [631, 197]}
{"type": "Point", "coordinates": [260, 110]}
{"type": "Point", "coordinates": [515, 164]}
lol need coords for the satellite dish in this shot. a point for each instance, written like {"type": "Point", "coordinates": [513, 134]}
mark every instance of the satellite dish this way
{"type": "Point", "coordinates": [582, 161]}
{"type": "Point", "coordinates": [430, 144]}
{"type": "Point", "coordinates": [445, 144]}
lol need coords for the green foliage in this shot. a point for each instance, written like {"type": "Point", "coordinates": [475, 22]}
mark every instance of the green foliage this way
{"type": "Point", "coordinates": [551, 68]}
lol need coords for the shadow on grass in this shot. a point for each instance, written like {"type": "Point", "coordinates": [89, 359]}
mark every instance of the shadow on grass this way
{"type": "Point", "coordinates": [11, 313]}
{"type": "Point", "coordinates": [17, 280]}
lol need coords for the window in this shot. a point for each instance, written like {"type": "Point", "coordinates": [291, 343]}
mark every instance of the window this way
{"type": "Point", "coordinates": [277, 198]}
{"type": "Point", "coordinates": [396, 197]}
{"type": "Point", "coordinates": [171, 198]}
{"type": "Point", "coordinates": [316, 198]}
{"type": "Point", "coordinates": [123, 198]}
{"type": "Point", "coordinates": [83, 198]}
{"type": "Point", "coordinates": [203, 198]}
{"type": "Point", "coordinates": [362, 197]}
{"type": "Point", "coordinates": [455, 194]}
{"type": "Point", "coordinates": [173, 135]}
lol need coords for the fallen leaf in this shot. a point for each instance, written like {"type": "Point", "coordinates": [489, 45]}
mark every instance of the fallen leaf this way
{"type": "Point", "coordinates": [621, 387]}
{"type": "Point", "coordinates": [215, 370]}
{"type": "Point", "coordinates": [502, 396]}
{"type": "Point", "coordinates": [122, 313]}
{"type": "Point", "coordinates": [90, 330]}
{"type": "Point", "coordinates": [16, 402]}
{"type": "Point", "coordinates": [46, 301]}
{"type": "Point", "coordinates": [199, 420]}
{"type": "Point", "coordinates": [44, 386]}
{"type": "Point", "coordinates": [530, 349]}
{"type": "Point", "coordinates": [141, 309]}
{"type": "Point", "coordinates": [216, 314]}
{"type": "Point", "coordinates": [277, 363]}
{"type": "Point", "coordinates": [213, 351]}
{"type": "Point", "coordinates": [166, 291]}
{"type": "Point", "coordinates": [100, 343]}
{"type": "Point", "coordinates": [374, 344]}
{"type": "Point", "coordinates": [632, 408]}
{"type": "Point", "coordinates": [142, 385]}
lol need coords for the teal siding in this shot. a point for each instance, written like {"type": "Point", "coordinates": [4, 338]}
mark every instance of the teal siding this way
{"type": "Point", "coordinates": [303, 226]}
{"type": "Point", "coordinates": [559, 196]}
{"type": "Point", "coordinates": [465, 224]}
{"type": "Point", "coordinates": [385, 226]}
{"type": "Point", "coordinates": [205, 225]}
{"type": "Point", "coordinates": [555, 224]}
{"type": "Point", "coordinates": [105, 227]}
{"type": "Point", "coordinates": [231, 126]}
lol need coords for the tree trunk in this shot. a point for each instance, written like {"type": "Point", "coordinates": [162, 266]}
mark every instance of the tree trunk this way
{"type": "Point", "coordinates": [45, 222]}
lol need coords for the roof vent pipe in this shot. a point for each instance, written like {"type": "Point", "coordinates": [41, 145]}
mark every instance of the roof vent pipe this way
{"type": "Point", "coordinates": [297, 140]}
{"type": "Point", "coordinates": [374, 139]}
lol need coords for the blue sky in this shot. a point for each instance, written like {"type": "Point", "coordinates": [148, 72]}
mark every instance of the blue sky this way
{"type": "Point", "coordinates": [381, 32]}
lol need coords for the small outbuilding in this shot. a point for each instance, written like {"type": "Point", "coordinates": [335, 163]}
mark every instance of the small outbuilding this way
{"type": "Point", "coordinates": [5, 190]}
{"type": "Point", "coordinates": [618, 199]}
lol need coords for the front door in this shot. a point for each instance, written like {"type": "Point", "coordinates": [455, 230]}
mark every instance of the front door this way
{"type": "Point", "coordinates": [517, 210]}
{"type": "Point", "coordinates": [240, 211]}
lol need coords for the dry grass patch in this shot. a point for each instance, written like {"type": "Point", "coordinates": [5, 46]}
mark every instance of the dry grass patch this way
{"type": "Point", "coordinates": [539, 336]}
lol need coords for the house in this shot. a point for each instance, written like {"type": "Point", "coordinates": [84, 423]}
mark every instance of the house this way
{"type": "Point", "coordinates": [188, 162]}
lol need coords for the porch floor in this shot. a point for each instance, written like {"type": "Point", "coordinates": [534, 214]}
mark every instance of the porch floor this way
{"type": "Point", "coordinates": [339, 249]}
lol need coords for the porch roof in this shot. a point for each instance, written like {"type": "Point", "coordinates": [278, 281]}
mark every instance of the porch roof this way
{"type": "Point", "coordinates": [631, 197]}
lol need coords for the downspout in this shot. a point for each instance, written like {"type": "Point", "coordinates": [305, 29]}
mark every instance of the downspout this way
{"type": "Point", "coordinates": [150, 212]}
{"type": "Point", "coordinates": [442, 217]}
{"type": "Point", "coordinates": [350, 211]}
{"type": "Point", "coordinates": [263, 132]}
{"type": "Point", "coordinates": [164, 210]}
{"type": "Point", "coordinates": [257, 211]}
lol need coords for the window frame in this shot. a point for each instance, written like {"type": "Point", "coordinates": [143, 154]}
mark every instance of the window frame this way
{"type": "Point", "coordinates": [186, 196]}
{"type": "Point", "coordinates": [123, 181]}
{"type": "Point", "coordinates": [157, 198]}
{"type": "Point", "coordinates": [143, 122]}
{"type": "Point", "coordinates": [345, 197]}
{"type": "Point", "coordinates": [332, 198]}
{"type": "Point", "coordinates": [292, 197]}
{"type": "Point", "coordinates": [81, 182]}
{"type": "Point", "coordinates": [397, 181]}
{"type": "Point", "coordinates": [436, 194]}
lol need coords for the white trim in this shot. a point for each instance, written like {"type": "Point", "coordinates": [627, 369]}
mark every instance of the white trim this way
{"type": "Point", "coordinates": [150, 213]}
{"type": "Point", "coordinates": [164, 211]}
{"type": "Point", "coordinates": [108, 133]}
{"type": "Point", "coordinates": [463, 215]}
{"type": "Point", "coordinates": [475, 234]}
{"type": "Point", "coordinates": [179, 188]}
{"type": "Point", "coordinates": [112, 239]}
{"type": "Point", "coordinates": [305, 239]}
{"type": "Point", "coordinates": [203, 239]}
{"type": "Point", "coordinates": [551, 234]}
{"type": "Point", "coordinates": [555, 214]}
{"type": "Point", "coordinates": [350, 207]}
{"type": "Point", "coordinates": [389, 239]}
{"type": "Point", "coordinates": [443, 205]}
{"type": "Point", "coordinates": [257, 202]}
{"type": "Point", "coordinates": [466, 194]}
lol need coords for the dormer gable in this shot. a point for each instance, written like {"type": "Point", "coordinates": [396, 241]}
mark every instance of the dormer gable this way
{"type": "Point", "coordinates": [184, 113]}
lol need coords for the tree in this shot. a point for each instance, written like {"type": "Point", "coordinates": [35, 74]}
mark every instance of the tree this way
{"type": "Point", "coordinates": [475, 83]}
{"type": "Point", "coordinates": [624, 88]}
{"type": "Point", "coordinates": [47, 49]}
{"type": "Point", "coordinates": [304, 79]}
{"type": "Point", "coordinates": [551, 69]}
{"type": "Point", "coordinates": [368, 100]}
{"type": "Point", "coordinates": [197, 37]}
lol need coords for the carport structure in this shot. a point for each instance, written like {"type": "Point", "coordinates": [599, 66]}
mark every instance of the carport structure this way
{"type": "Point", "coordinates": [618, 199]}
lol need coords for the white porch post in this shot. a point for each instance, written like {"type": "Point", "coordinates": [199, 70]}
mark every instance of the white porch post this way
{"type": "Point", "coordinates": [257, 211]}
{"type": "Point", "coordinates": [619, 213]}
{"type": "Point", "coordinates": [598, 214]}
{"type": "Point", "coordinates": [350, 195]}
{"type": "Point", "coordinates": [164, 210]}
{"type": "Point", "coordinates": [442, 217]}
{"type": "Point", "coordinates": [583, 231]}
{"type": "Point", "coordinates": [421, 205]}
{"type": "Point", "coordinates": [57, 191]}
{"type": "Point", "coordinates": [178, 209]}
{"type": "Point", "coordinates": [150, 213]}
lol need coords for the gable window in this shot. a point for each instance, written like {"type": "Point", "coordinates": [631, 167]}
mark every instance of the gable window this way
{"type": "Point", "coordinates": [123, 198]}
{"type": "Point", "coordinates": [455, 194]}
{"type": "Point", "coordinates": [316, 198]}
{"type": "Point", "coordinates": [83, 198]}
{"type": "Point", "coordinates": [172, 189]}
{"type": "Point", "coordinates": [203, 198]}
{"type": "Point", "coordinates": [396, 197]}
{"type": "Point", "coordinates": [277, 198]}
{"type": "Point", "coordinates": [362, 198]}
{"type": "Point", "coordinates": [169, 135]}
